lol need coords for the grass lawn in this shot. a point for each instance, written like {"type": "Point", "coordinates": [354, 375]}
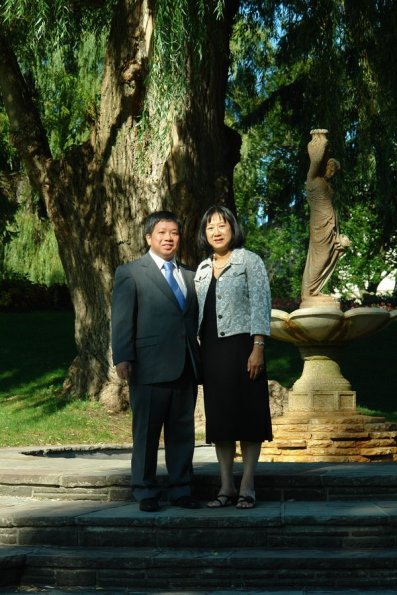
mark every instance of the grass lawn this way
{"type": "Point", "coordinates": [36, 349]}
{"type": "Point", "coordinates": [371, 366]}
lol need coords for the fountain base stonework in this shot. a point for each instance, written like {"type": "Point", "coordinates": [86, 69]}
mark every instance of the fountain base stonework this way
{"type": "Point", "coordinates": [333, 438]}
{"type": "Point", "coordinates": [321, 386]}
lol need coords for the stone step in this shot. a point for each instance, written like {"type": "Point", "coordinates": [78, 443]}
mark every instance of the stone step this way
{"type": "Point", "coordinates": [109, 479]}
{"type": "Point", "coordinates": [199, 569]}
{"type": "Point", "coordinates": [262, 591]}
{"type": "Point", "coordinates": [68, 525]}
{"type": "Point", "coordinates": [271, 525]}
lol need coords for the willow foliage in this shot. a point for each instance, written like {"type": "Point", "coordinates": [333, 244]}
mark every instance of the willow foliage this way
{"type": "Point", "coordinates": [181, 35]}
{"type": "Point", "coordinates": [324, 64]}
{"type": "Point", "coordinates": [32, 251]}
{"type": "Point", "coordinates": [68, 84]}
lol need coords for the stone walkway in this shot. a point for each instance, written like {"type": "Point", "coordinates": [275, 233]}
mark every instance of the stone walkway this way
{"type": "Point", "coordinates": [102, 473]}
{"type": "Point", "coordinates": [233, 592]}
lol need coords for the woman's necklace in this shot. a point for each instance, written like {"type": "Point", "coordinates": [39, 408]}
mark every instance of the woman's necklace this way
{"type": "Point", "coordinates": [222, 266]}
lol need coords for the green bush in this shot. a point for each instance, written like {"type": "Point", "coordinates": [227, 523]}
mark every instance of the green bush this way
{"type": "Point", "coordinates": [18, 294]}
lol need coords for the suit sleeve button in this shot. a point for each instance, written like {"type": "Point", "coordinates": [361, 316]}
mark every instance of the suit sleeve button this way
{"type": "Point", "coordinates": [222, 334]}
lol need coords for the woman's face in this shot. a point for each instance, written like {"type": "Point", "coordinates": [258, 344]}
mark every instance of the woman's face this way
{"type": "Point", "coordinates": [219, 234]}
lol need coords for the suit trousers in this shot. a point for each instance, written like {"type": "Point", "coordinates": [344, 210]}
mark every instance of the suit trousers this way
{"type": "Point", "coordinates": [168, 405]}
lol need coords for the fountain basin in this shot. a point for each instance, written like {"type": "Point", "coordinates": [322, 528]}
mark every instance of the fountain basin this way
{"type": "Point", "coordinates": [328, 325]}
{"type": "Point", "coordinates": [320, 333]}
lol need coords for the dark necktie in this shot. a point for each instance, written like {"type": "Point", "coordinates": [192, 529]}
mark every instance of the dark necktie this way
{"type": "Point", "coordinates": [172, 282]}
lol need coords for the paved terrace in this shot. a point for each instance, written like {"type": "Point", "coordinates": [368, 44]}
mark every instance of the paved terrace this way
{"type": "Point", "coordinates": [102, 472]}
{"type": "Point", "coordinates": [80, 495]}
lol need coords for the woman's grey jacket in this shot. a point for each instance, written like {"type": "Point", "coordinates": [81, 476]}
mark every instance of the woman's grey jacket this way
{"type": "Point", "coordinates": [243, 300]}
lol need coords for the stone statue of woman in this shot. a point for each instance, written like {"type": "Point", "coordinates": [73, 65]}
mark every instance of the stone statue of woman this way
{"type": "Point", "coordinates": [326, 245]}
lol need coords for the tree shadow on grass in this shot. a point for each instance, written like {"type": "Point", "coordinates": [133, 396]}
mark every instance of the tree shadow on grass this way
{"type": "Point", "coordinates": [11, 388]}
{"type": "Point", "coordinates": [36, 349]}
{"type": "Point", "coordinates": [44, 398]}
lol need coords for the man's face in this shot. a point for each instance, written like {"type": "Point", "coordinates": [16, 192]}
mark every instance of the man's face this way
{"type": "Point", "coordinates": [164, 239]}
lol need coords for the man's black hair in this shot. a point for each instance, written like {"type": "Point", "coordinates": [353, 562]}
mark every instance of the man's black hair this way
{"type": "Point", "coordinates": [151, 221]}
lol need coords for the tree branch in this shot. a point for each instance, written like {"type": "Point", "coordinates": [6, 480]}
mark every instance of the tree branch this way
{"type": "Point", "coordinates": [291, 93]}
{"type": "Point", "coordinates": [125, 68]}
{"type": "Point", "coordinates": [26, 128]}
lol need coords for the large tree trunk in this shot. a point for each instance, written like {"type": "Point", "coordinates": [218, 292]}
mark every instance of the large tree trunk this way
{"type": "Point", "coordinates": [98, 194]}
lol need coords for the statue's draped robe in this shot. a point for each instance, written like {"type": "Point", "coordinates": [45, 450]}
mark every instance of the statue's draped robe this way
{"type": "Point", "coordinates": [324, 246]}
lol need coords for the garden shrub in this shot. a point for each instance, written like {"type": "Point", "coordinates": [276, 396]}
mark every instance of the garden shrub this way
{"type": "Point", "coordinates": [18, 294]}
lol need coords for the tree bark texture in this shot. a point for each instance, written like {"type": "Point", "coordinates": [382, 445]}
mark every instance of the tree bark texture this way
{"type": "Point", "coordinates": [96, 195]}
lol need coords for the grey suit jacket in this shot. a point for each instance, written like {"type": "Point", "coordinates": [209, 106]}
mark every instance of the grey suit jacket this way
{"type": "Point", "coordinates": [148, 327]}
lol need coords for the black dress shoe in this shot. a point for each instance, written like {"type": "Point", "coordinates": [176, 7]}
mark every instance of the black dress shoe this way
{"type": "Point", "coordinates": [149, 505]}
{"type": "Point", "coordinates": [186, 502]}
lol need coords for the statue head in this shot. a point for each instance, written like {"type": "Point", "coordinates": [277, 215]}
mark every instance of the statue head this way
{"type": "Point", "coordinates": [332, 167]}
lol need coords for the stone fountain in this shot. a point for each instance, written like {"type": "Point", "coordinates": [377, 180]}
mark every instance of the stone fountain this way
{"type": "Point", "coordinates": [320, 422]}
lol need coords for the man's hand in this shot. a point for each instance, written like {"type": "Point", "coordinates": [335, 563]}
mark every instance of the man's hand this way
{"type": "Point", "coordinates": [123, 370]}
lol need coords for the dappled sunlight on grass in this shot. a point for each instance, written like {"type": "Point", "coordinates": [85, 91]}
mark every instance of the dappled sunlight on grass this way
{"type": "Point", "coordinates": [48, 417]}
{"type": "Point", "coordinates": [24, 391]}
{"type": "Point", "coordinates": [47, 400]}
{"type": "Point", "coordinates": [33, 410]}
{"type": "Point", "coordinates": [39, 348]}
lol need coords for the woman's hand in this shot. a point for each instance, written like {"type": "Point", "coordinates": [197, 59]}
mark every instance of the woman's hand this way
{"type": "Point", "coordinates": [256, 362]}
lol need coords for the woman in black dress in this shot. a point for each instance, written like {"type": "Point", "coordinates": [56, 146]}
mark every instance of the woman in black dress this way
{"type": "Point", "coordinates": [234, 318]}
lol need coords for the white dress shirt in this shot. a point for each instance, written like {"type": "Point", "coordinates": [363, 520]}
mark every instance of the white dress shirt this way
{"type": "Point", "coordinates": [176, 271]}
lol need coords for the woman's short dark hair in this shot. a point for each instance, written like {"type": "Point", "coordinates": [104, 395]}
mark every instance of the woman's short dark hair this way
{"type": "Point", "coordinates": [237, 233]}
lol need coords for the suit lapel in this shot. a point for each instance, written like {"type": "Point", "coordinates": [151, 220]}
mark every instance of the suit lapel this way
{"type": "Point", "coordinates": [189, 286]}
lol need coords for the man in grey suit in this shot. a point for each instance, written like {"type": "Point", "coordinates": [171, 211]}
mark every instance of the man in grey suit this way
{"type": "Point", "coordinates": [154, 342]}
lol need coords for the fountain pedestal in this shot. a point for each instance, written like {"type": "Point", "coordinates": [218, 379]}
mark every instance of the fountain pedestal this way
{"type": "Point", "coordinates": [321, 386]}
